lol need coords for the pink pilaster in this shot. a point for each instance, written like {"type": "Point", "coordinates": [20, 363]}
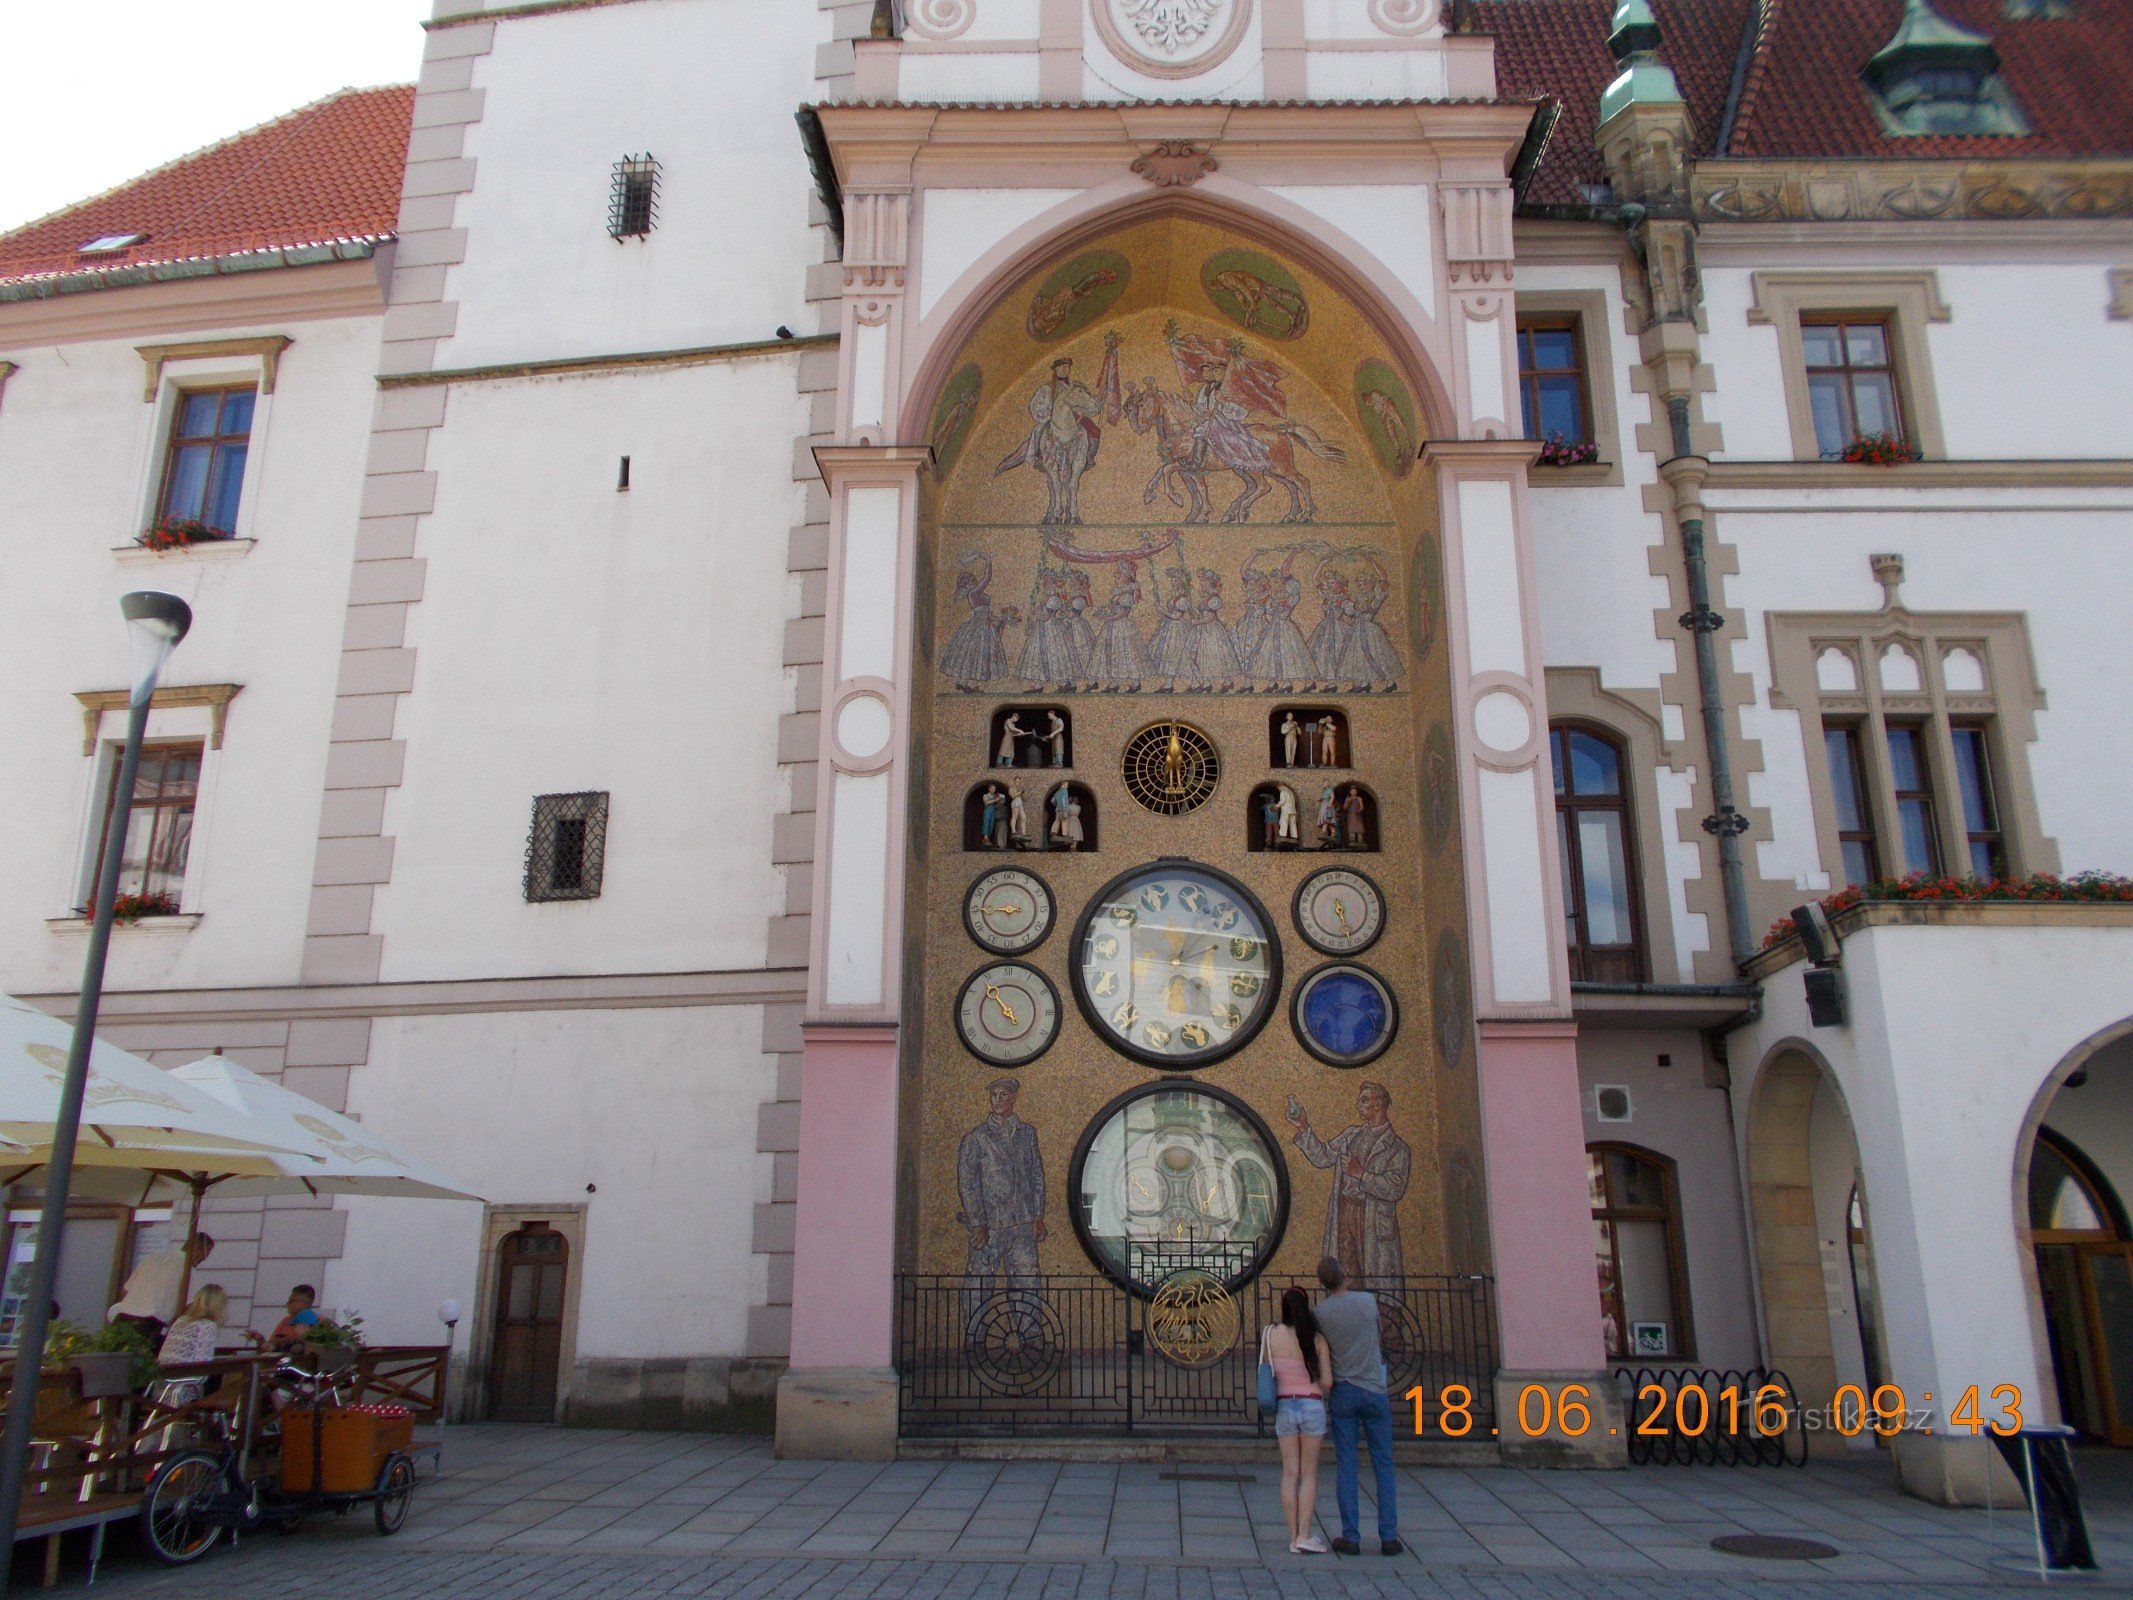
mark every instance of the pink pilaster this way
{"type": "Point", "coordinates": [1540, 1216]}
{"type": "Point", "coordinates": [844, 1216]}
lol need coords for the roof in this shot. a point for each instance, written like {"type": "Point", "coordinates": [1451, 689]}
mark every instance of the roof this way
{"type": "Point", "coordinates": [323, 174]}
{"type": "Point", "coordinates": [1801, 93]}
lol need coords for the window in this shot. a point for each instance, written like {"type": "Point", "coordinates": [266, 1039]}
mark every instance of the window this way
{"type": "Point", "coordinates": [158, 819]}
{"type": "Point", "coordinates": [1636, 1231]}
{"type": "Point", "coordinates": [633, 202]}
{"type": "Point", "coordinates": [1851, 381]}
{"type": "Point", "coordinates": [1914, 799]}
{"type": "Point", "coordinates": [1981, 816]}
{"type": "Point", "coordinates": [204, 473]}
{"type": "Point", "coordinates": [1593, 834]}
{"type": "Point", "coordinates": [567, 853]}
{"type": "Point", "coordinates": [1552, 390]}
{"type": "Point", "coordinates": [1855, 822]}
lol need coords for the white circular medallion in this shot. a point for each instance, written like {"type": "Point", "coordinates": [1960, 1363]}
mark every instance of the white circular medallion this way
{"type": "Point", "coordinates": [1171, 38]}
{"type": "Point", "coordinates": [863, 726]}
{"type": "Point", "coordinates": [1502, 722]}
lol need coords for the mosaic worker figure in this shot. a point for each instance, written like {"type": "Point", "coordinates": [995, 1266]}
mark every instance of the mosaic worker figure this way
{"type": "Point", "coordinates": [1371, 1165]}
{"type": "Point", "coordinates": [999, 1182]}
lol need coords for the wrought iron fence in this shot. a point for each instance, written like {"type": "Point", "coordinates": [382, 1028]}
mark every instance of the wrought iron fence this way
{"type": "Point", "coordinates": [1073, 1354]}
{"type": "Point", "coordinates": [1711, 1417]}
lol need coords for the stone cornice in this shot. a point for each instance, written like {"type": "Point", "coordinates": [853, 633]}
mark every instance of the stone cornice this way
{"type": "Point", "coordinates": [143, 307]}
{"type": "Point", "coordinates": [592, 366]}
{"type": "Point", "coordinates": [2101, 472]}
{"type": "Point", "coordinates": [1827, 190]}
{"type": "Point", "coordinates": [215, 696]}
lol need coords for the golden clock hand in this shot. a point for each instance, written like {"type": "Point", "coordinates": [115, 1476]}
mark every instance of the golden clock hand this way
{"type": "Point", "coordinates": [988, 907]}
{"type": "Point", "coordinates": [1006, 1010]}
{"type": "Point", "coordinates": [1340, 913]}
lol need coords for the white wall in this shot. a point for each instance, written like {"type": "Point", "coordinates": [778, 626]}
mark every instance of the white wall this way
{"type": "Point", "coordinates": [81, 456]}
{"type": "Point", "coordinates": [709, 88]}
{"type": "Point", "coordinates": [655, 1108]}
{"type": "Point", "coordinates": [573, 637]}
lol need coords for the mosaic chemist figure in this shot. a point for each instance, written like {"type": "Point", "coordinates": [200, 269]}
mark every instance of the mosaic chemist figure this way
{"type": "Point", "coordinates": [1291, 732]}
{"type": "Point", "coordinates": [1010, 731]}
{"type": "Point", "coordinates": [999, 1182]}
{"type": "Point", "coordinates": [1066, 429]}
{"type": "Point", "coordinates": [1371, 1166]}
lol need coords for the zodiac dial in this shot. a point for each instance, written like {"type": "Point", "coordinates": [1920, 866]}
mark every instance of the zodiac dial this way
{"type": "Point", "coordinates": [1176, 964]}
{"type": "Point", "coordinates": [1008, 911]}
{"type": "Point", "coordinates": [1339, 911]}
{"type": "Point", "coordinates": [1007, 1014]}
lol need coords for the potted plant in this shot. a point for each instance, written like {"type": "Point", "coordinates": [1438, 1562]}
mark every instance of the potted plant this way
{"type": "Point", "coordinates": [1879, 450]}
{"type": "Point", "coordinates": [116, 1359]}
{"type": "Point", "coordinates": [1557, 451]}
{"type": "Point", "coordinates": [337, 1342]}
{"type": "Point", "coordinates": [179, 533]}
{"type": "Point", "coordinates": [129, 908]}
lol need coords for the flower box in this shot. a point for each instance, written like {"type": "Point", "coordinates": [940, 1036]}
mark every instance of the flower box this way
{"type": "Point", "coordinates": [180, 533]}
{"type": "Point", "coordinates": [128, 909]}
{"type": "Point", "coordinates": [2038, 886]}
{"type": "Point", "coordinates": [1557, 451]}
{"type": "Point", "coordinates": [1879, 450]}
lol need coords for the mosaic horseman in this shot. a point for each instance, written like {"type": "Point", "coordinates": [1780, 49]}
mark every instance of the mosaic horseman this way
{"type": "Point", "coordinates": [1066, 429]}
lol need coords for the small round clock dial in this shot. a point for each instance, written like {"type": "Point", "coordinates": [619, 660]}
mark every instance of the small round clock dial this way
{"type": "Point", "coordinates": [1175, 964]}
{"type": "Point", "coordinates": [1007, 1014]}
{"type": "Point", "coordinates": [1345, 1014]}
{"type": "Point", "coordinates": [1008, 911]}
{"type": "Point", "coordinates": [1339, 911]}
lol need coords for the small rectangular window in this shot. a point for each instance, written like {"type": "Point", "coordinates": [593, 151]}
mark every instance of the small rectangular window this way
{"type": "Point", "coordinates": [1908, 777]}
{"type": "Point", "coordinates": [633, 202]}
{"type": "Point", "coordinates": [203, 473]}
{"type": "Point", "coordinates": [1855, 819]}
{"type": "Point", "coordinates": [1851, 382]}
{"type": "Point", "coordinates": [1981, 813]}
{"type": "Point", "coordinates": [1552, 389]}
{"type": "Point", "coordinates": [567, 852]}
{"type": "Point", "coordinates": [158, 822]}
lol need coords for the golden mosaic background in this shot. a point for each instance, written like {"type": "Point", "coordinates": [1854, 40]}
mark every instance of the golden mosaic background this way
{"type": "Point", "coordinates": [1150, 291]}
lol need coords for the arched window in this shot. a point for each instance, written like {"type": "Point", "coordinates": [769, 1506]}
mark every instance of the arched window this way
{"type": "Point", "coordinates": [2069, 1203]}
{"type": "Point", "coordinates": [1643, 1276]}
{"type": "Point", "coordinates": [1600, 910]}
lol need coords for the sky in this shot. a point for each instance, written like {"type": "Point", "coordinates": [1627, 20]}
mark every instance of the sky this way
{"type": "Point", "coordinates": [97, 94]}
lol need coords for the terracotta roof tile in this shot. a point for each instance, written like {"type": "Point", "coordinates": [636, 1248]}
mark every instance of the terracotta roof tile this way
{"type": "Point", "coordinates": [325, 172]}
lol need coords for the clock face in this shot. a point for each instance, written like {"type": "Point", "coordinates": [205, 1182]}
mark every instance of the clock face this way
{"type": "Point", "coordinates": [1007, 1014]}
{"type": "Point", "coordinates": [1345, 1015]}
{"type": "Point", "coordinates": [1008, 911]}
{"type": "Point", "coordinates": [1339, 911]}
{"type": "Point", "coordinates": [1176, 964]}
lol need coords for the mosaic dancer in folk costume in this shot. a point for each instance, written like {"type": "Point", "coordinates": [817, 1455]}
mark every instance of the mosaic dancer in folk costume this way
{"type": "Point", "coordinates": [1067, 421]}
{"type": "Point", "coordinates": [1170, 650]}
{"type": "Point", "coordinates": [1380, 661]}
{"type": "Point", "coordinates": [1371, 1166]}
{"type": "Point", "coordinates": [1282, 662]}
{"type": "Point", "coordinates": [1081, 638]}
{"type": "Point", "coordinates": [973, 654]}
{"type": "Point", "coordinates": [999, 1182]}
{"type": "Point", "coordinates": [1120, 657]}
{"type": "Point", "coordinates": [1214, 657]}
{"type": "Point", "coordinates": [1049, 646]}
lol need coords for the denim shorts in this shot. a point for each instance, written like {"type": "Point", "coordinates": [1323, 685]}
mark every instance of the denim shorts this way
{"type": "Point", "coordinates": [1305, 1414]}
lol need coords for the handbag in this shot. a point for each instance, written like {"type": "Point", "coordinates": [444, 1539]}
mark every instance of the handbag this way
{"type": "Point", "coordinates": [1269, 1396]}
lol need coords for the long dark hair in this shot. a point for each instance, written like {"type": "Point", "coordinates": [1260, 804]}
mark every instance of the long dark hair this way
{"type": "Point", "coordinates": [1297, 1315]}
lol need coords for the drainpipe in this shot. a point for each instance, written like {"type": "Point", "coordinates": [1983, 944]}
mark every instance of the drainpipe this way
{"type": "Point", "coordinates": [1684, 474]}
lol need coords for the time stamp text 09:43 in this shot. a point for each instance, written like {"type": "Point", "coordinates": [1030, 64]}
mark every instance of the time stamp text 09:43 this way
{"type": "Point", "coordinates": [1692, 1409]}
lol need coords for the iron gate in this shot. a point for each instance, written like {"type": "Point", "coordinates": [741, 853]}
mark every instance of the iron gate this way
{"type": "Point", "coordinates": [1073, 1354]}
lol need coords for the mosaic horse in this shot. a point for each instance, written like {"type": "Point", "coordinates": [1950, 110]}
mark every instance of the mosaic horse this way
{"type": "Point", "coordinates": [1263, 454]}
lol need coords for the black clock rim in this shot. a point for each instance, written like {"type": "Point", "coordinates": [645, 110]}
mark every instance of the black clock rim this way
{"type": "Point", "coordinates": [1303, 932]}
{"type": "Point", "coordinates": [970, 923]}
{"type": "Point", "coordinates": [963, 988]}
{"type": "Point", "coordinates": [1141, 1091]}
{"type": "Point", "coordinates": [1101, 1025]}
{"type": "Point", "coordinates": [1303, 1034]}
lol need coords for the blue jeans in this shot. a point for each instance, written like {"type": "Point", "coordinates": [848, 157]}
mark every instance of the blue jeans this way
{"type": "Point", "coordinates": [1370, 1413]}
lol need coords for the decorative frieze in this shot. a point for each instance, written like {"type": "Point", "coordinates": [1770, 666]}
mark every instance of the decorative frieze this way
{"type": "Point", "coordinates": [1897, 191]}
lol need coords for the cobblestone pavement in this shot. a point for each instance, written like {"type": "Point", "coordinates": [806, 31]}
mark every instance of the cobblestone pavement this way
{"type": "Point", "coordinates": [530, 1513]}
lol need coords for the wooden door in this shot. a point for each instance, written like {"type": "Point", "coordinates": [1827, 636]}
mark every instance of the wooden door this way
{"type": "Point", "coordinates": [526, 1353]}
{"type": "Point", "coordinates": [2107, 1287]}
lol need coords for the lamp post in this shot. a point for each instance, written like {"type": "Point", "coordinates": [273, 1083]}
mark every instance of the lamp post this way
{"type": "Point", "coordinates": [155, 623]}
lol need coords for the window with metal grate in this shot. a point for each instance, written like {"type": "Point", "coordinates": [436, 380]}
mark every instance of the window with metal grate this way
{"type": "Point", "coordinates": [567, 850]}
{"type": "Point", "coordinates": [633, 201]}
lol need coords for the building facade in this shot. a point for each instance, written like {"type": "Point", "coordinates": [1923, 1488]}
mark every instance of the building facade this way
{"type": "Point", "coordinates": [1165, 639]}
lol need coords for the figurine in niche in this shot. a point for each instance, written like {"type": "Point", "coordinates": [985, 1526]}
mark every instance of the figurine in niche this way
{"type": "Point", "coordinates": [1055, 736]}
{"type": "Point", "coordinates": [1329, 741]}
{"type": "Point", "coordinates": [1017, 818]}
{"type": "Point", "coordinates": [991, 806]}
{"type": "Point", "coordinates": [1291, 732]}
{"type": "Point", "coordinates": [1352, 809]}
{"type": "Point", "coordinates": [1289, 835]}
{"type": "Point", "coordinates": [1066, 819]}
{"type": "Point", "coordinates": [1010, 731]}
{"type": "Point", "coordinates": [1269, 820]}
{"type": "Point", "coordinates": [1328, 820]}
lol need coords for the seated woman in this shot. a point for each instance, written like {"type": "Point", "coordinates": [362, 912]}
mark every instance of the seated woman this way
{"type": "Point", "coordinates": [194, 1335]}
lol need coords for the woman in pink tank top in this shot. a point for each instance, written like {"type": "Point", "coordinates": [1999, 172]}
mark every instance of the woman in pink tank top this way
{"type": "Point", "coordinates": [1303, 1376]}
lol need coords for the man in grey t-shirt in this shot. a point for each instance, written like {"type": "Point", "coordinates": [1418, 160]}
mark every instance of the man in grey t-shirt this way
{"type": "Point", "coordinates": [1349, 1320]}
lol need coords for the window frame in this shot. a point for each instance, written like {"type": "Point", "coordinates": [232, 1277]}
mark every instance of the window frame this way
{"type": "Point", "coordinates": [1993, 836]}
{"type": "Point", "coordinates": [107, 808]}
{"type": "Point", "coordinates": [1850, 372]}
{"type": "Point", "coordinates": [1590, 310]}
{"type": "Point", "coordinates": [1851, 732]}
{"type": "Point", "coordinates": [1581, 950]}
{"type": "Point", "coordinates": [1569, 322]}
{"type": "Point", "coordinates": [1906, 301]}
{"type": "Point", "coordinates": [1677, 1250]}
{"type": "Point", "coordinates": [588, 808]}
{"type": "Point", "coordinates": [174, 440]}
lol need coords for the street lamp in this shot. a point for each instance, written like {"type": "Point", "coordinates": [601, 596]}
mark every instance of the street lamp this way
{"type": "Point", "coordinates": [155, 622]}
